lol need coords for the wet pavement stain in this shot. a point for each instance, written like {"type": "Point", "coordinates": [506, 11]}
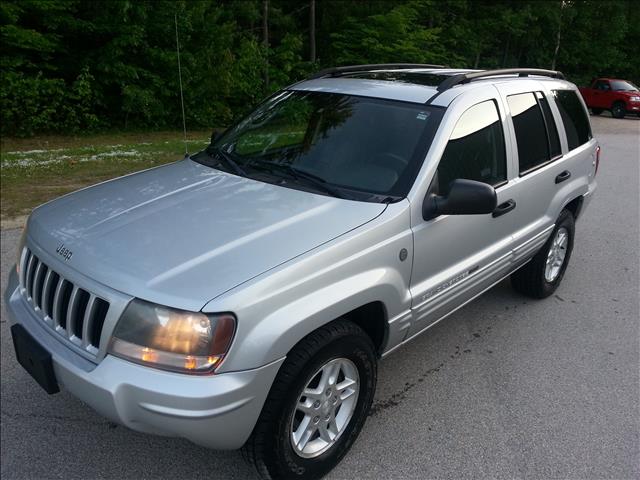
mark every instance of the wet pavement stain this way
{"type": "Point", "coordinates": [396, 398]}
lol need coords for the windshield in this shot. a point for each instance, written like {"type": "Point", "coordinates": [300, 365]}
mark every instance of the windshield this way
{"type": "Point", "coordinates": [341, 145]}
{"type": "Point", "coordinates": [623, 85]}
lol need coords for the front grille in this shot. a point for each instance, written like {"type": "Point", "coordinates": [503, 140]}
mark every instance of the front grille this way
{"type": "Point", "coordinates": [72, 312]}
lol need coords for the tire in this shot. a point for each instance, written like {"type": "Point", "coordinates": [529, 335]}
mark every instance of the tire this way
{"type": "Point", "coordinates": [534, 280]}
{"type": "Point", "coordinates": [270, 447]}
{"type": "Point", "coordinates": [618, 110]}
{"type": "Point", "coordinates": [596, 111]}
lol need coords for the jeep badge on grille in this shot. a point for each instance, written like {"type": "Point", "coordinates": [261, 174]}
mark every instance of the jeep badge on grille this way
{"type": "Point", "coordinates": [64, 252]}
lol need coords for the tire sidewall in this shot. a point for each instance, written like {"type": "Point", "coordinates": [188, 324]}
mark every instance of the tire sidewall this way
{"type": "Point", "coordinates": [360, 352]}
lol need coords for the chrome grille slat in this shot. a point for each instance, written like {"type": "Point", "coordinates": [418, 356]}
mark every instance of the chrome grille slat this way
{"type": "Point", "coordinates": [76, 314]}
{"type": "Point", "coordinates": [38, 280]}
{"type": "Point", "coordinates": [30, 268]}
{"type": "Point", "coordinates": [24, 257]}
{"type": "Point", "coordinates": [71, 310]}
{"type": "Point", "coordinates": [57, 300]}
{"type": "Point", "coordinates": [46, 286]}
{"type": "Point", "coordinates": [87, 324]}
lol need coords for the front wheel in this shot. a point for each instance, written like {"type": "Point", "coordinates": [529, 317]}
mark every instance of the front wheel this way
{"type": "Point", "coordinates": [317, 405]}
{"type": "Point", "coordinates": [541, 276]}
{"type": "Point", "coordinates": [618, 110]}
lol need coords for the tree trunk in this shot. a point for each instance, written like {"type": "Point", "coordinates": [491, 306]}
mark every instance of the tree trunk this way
{"type": "Point", "coordinates": [506, 51]}
{"type": "Point", "coordinates": [312, 30]}
{"type": "Point", "coordinates": [557, 49]}
{"type": "Point", "coordinates": [265, 39]}
{"type": "Point", "coordinates": [477, 62]}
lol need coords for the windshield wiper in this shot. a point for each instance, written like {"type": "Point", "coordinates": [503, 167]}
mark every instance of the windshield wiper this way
{"type": "Point", "coordinates": [318, 182]}
{"type": "Point", "coordinates": [226, 158]}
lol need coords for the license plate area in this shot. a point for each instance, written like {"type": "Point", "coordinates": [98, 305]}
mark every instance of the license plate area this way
{"type": "Point", "coordinates": [34, 359]}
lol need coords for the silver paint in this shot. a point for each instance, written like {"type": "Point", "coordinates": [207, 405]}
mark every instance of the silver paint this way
{"type": "Point", "coordinates": [284, 261]}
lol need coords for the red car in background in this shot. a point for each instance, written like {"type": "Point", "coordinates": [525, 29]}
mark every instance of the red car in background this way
{"type": "Point", "coordinates": [620, 96]}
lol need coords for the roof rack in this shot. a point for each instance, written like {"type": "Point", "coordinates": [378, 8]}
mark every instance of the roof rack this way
{"type": "Point", "coordinates": [337, 71]}
{"type": "Point", "coordinates": [521, 72]}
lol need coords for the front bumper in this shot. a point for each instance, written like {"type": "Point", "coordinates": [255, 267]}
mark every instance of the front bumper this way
{"type": "Point", "coordinates": [217, 411]}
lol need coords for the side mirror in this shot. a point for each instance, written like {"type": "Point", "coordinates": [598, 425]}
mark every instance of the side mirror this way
{"type": "Point", "coordinates": [466, 197]}
{"type": "Point", "coordinates": [215, 135]}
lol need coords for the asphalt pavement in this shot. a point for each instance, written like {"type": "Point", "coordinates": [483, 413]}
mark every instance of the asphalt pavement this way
{"type": "Point", "coordinates": [507, 387]}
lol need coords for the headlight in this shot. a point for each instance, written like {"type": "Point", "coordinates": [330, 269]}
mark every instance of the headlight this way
{"type": "Point", "coordinates": [635, 99]}
{"type": "Point", "coordinates": [177, 340]}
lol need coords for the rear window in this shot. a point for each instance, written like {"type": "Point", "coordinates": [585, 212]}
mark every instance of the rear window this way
{"type": "Point", "coordinates": [531, 134]}
{"type": "Point", "coordinates": [574, 117]}
{"type": "Point", "coordinates": [552, 130]}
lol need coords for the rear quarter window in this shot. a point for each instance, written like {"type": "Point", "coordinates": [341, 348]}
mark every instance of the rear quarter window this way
{"type": "Point", "coordinates": [574, 117]}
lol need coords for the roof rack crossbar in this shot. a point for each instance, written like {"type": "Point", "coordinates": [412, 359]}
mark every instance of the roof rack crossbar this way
{"type": "Point", "coordinates": [521, 72]}
{"type": "Point", "coordinates": [337, 71]}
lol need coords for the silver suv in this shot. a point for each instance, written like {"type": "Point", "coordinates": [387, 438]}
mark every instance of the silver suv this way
{"type": "Point", "coordinates": [243, 296]}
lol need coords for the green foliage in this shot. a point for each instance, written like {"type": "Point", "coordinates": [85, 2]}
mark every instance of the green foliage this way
{"type": "Point", "coordinates": [81, 65]}
{"type": "Point", "coordinates": [30, 104]}
{"type": "Point", "coordinates": [387, 37]}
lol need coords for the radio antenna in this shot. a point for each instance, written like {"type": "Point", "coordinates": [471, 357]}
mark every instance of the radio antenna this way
{"type": "Point", "coordinates": [184, 121]}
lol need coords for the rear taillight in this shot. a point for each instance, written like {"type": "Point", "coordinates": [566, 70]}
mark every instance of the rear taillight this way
{"type": "Point", "coordinates": [597, 160]}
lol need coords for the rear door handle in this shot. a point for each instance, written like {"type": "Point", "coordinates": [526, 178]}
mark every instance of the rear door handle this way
{"type": "Point", "coordinates": [563, 176]}
{"type": "Point", "coordinates": [504, 208]}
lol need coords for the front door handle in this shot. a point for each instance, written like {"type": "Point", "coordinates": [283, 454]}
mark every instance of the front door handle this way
{"type": "Point", "coordinates": [563, 176]}
{"type": "Point", "coordinates": [504, 208]}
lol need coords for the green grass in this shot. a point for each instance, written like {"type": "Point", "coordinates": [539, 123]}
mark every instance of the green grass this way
{"type": "Point", "coordinates": [39, 169]}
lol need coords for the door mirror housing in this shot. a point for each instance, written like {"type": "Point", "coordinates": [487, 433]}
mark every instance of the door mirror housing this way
{"type": "Point", "coordinates": [466, 197]}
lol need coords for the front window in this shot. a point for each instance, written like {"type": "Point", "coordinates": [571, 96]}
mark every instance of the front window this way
{"type": "Point", "coordinates": [358, 147]}
{"type": "Point", "coordinates": [623, 86]}
{"type": "Point", "coordinates": [476, 149]}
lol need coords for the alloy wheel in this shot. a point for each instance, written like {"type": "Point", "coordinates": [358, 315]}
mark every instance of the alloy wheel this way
{"type": "Point", "coordinates": [324, 408]}
{"type": "Point", "coordinates": [556, 255]}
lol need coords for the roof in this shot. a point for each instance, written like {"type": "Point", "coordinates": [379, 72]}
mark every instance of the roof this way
{"type": "Point", "coordinates": [407, 82]}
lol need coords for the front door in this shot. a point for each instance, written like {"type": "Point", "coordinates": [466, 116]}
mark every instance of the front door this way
{"type": "Point", "coordinates": [456, 257]}
{"type": "Point", "coordinates": [601, 94]}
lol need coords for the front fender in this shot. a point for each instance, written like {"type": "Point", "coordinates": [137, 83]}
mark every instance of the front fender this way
{"type": "Point", "coordinates": [278, 332]}
{"type": "Point", "coordinates": [280, 308]}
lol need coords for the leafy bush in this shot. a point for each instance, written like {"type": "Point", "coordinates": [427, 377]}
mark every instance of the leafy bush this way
{"type": "Point", "coordinates": [82, 65]}
{"type": "Point", "coordinates": [30, 104]}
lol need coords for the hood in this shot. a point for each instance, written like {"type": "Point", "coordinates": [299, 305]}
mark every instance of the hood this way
{"type": "Point", "coordinates": [184, 233]}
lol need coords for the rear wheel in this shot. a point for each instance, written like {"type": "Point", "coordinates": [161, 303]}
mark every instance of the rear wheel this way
{"type": "Point", "coordinates": [618, 110]}
{"type": "Point", "coordinates": [596, 111]}
{"type": "Point", "coordinates": [541, 276]}
{"type": "Point", "coordinates": [317, 404]}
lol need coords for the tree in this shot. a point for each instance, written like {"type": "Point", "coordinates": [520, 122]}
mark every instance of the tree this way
{"type": "Point", "coordinates": [81, 65]}
{"type": "Point", "coordinates": [265, 39]}
{"type": "Point", "coordinates": [312, 31]}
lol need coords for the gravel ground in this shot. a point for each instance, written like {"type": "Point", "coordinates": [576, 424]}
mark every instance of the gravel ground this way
{"type": "Point", "coordinates": [506, 387]}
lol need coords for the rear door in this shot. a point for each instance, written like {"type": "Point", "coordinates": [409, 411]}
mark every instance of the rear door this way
{"type": "Point", "coordinates": [548, 174]}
